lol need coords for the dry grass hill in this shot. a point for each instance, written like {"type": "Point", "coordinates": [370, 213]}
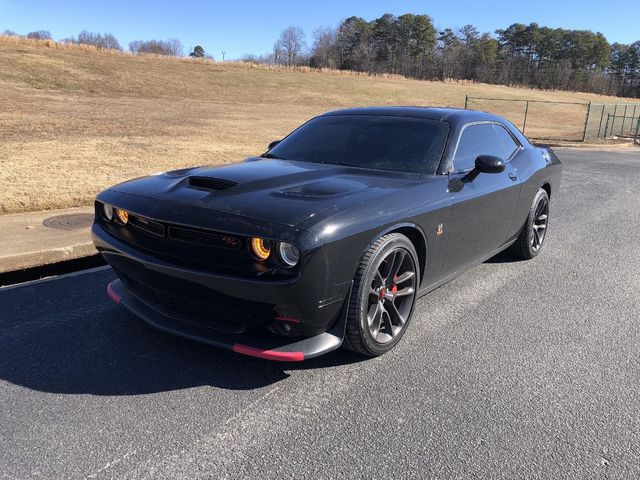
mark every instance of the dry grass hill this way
{"type": "Point", "coordinates": [74, 120]}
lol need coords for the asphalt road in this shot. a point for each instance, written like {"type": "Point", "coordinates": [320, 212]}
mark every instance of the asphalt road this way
{"type": "Point", "coordinates": [514, 370]}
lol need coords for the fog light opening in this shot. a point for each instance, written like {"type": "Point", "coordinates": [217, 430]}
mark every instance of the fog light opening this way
{"type": "Point", "coordinates": [284, 326]}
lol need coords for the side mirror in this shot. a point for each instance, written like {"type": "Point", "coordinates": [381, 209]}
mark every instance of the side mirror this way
{"type": "Point", "coordinates": [273, 144]}
{"type": "Point", "coordinates": [489, 164]}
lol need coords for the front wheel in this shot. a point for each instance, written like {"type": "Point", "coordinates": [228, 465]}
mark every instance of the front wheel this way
{"type": "Point", "coordinates": [383, 295]}
{"type": "Point", "coordinates": [534, 231]}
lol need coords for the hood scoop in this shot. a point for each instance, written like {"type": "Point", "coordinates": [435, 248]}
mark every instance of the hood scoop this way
{"type": "Point", "coordinates": [211, 184]}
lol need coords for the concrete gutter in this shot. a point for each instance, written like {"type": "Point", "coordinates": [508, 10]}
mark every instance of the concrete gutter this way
{"type": "Point", "coordinates": [25, 241]}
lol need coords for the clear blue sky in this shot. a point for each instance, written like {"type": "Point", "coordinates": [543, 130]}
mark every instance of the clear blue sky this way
{"type": "Point", "coordinates": [252, 26]}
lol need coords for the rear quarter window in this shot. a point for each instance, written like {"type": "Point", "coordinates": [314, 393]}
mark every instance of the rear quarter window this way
{"type": "Point", "coordinates": [508, 144]}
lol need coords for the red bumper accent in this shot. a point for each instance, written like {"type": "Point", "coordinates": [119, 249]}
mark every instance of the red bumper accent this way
{"type": "Point", "coordinates": [113, 295]}
{"type": "Point", "coordinates": [268, 354]}
{"type": "Point", "coordinates": [287, 319]}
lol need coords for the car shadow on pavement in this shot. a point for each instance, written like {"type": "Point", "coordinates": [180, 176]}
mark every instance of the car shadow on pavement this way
{"type": "Point", "coordinates": [504, 257]}
{"type": "Point", "coordinates": [59, 345]}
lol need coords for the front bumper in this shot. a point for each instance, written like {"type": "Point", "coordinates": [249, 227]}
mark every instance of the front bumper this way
{"type": "Point", "coordinates": [280, 349]}
{"type": "Point", "coordinates": [226, 311]}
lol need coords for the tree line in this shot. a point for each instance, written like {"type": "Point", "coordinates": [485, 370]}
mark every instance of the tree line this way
{"type": "Point", "coordinates": [410, 45]}
{"type": "Point", "coordinates": [170, 47]}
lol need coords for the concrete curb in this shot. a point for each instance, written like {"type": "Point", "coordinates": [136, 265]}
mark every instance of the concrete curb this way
{"type": "Point", "coordinates": [46, 257]}
{"type": "Point", "coordinates": [25, 242]}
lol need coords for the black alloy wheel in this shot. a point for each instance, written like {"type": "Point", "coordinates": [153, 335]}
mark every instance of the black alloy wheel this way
{"type": "Point", "coordinates": [383, 295]}
{"type": "Point", "coordinates": [539, 224]}
{"type": "Point", "coordinates": [529, 242]}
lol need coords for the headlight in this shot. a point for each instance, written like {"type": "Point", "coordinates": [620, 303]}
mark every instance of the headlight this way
{"type": "Point", "coordinates": [107, 212]}
{"type": "Point", "coordinates": [122, 216]}
{"type": "Point", "coordinates": [260, 248]}
{"type": "Point", "coordinates": [288, 253]}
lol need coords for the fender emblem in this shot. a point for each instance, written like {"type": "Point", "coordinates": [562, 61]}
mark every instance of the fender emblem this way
{"type": "Point", "coordinates": [439, 230]}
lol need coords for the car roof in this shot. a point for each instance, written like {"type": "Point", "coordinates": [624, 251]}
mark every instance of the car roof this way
{"type": "Point", "coordinates": [452, 115]}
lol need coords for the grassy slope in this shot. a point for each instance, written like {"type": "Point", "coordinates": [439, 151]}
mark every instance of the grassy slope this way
{"type": "Point", "coordinates": [74, 121]}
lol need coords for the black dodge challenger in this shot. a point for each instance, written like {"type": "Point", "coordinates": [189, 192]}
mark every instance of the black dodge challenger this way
{"type": "Point", "coordinates": [331, 235]}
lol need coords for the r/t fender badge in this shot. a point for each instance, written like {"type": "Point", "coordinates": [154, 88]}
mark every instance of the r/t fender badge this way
{"type": "Point", "coordinates": [439, 230]}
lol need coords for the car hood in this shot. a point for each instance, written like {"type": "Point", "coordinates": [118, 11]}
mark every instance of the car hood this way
{"type": "Point", "coordinates": [285, 192]}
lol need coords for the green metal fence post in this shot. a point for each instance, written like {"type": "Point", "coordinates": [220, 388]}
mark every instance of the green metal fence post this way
{"type": "Point", "coordinates": [624, 118]}
{"type": "Point", "coordinates": [600, 124]}
{"type": "Point", "coordinates": [636, 137]}
{"type": "Point", "coordinates": [601, 118]}
{"type": "Point", "coordinates": [466, 101]}
{"type": "Point", "coordinates": [526, 111]}
{"type": "Point", "coordinates": [606, 128]}
{"type": "Point", "coordinates": [586, 123]}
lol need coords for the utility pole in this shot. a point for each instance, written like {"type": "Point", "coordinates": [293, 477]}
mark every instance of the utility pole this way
{"type": "Point", "coordinates": [223, 54]}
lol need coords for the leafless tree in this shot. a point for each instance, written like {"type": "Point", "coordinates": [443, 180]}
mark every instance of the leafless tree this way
{"type": "Point", "coordinates": [290, 45]}
{"type": "Point", "coordinates": [172, 47]}
{"type": "Point", "coordinates": [324, 48]}
{"type": "Point", "coordinates": [106, 41]}
{"type": "Point", "coordinates": [40, 35]}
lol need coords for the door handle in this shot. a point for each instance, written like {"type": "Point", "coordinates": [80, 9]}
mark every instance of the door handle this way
{"type": "Point", "coordinates": [513, 176]}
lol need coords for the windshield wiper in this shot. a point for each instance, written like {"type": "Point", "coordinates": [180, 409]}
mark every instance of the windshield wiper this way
{"type": "Point", "coordinates": [271, 155]}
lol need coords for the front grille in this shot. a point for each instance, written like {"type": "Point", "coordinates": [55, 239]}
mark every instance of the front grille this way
{"type": "Point", "coordinates": [191, 247]}
{"type": "Point", "coordinates": [204, 237]}
{"type": "Point", "coordinates": [192, 310]}
{"type": "Point", "coordinates": [163, 232]}
{"type": "Point", "coordinates": [147, 225]}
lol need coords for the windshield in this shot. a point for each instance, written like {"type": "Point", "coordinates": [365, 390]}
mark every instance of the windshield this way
{"type": "Point", "coordinates": [381, 142]}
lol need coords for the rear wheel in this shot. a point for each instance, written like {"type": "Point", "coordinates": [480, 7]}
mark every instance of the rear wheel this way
{"type": "Point", "coordinates": [383, 295]}
{"type": "Point", "coordinates": [534, 231]}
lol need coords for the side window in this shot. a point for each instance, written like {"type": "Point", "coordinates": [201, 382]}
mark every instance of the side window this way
{"type": "Point", "coordinates": [480, 139]}
{"type": "Point", "coordinates": [509, 145]}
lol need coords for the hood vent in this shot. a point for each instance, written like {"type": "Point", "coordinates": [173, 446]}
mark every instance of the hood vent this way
{"type": "Point", "coordinates": [213, 184]}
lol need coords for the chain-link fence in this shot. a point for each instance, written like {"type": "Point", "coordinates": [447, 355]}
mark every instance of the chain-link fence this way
{"type": "Point", "coordinates": [538, 119]}
{"type": "Point", "coordinates": [571, 121]}
{"type": "Point", "coordinates": [621, 126]}
{"type": "Point", "coordinates": [624, 115]}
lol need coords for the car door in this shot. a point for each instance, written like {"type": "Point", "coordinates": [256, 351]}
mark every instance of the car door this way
{"type": "Point", "coordinates": [484, 204]}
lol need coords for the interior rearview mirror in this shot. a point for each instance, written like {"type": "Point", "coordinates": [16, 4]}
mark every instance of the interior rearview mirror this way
{"type": "Point", "coordinates": [273, 144]}
{"type": "Point", "coordinates": [489, 164]}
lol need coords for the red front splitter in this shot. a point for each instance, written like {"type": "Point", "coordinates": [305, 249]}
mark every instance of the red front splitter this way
{"type": "Point", "coordinates": [268, 354]}
{"type": "Point", "coordinates": [113, 295]}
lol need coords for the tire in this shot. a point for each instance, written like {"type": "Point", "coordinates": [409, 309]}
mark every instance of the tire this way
{"type": "Point", "coordinates": [384, 292]}
{"type": "Point", "coordinates": [531, 237]}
